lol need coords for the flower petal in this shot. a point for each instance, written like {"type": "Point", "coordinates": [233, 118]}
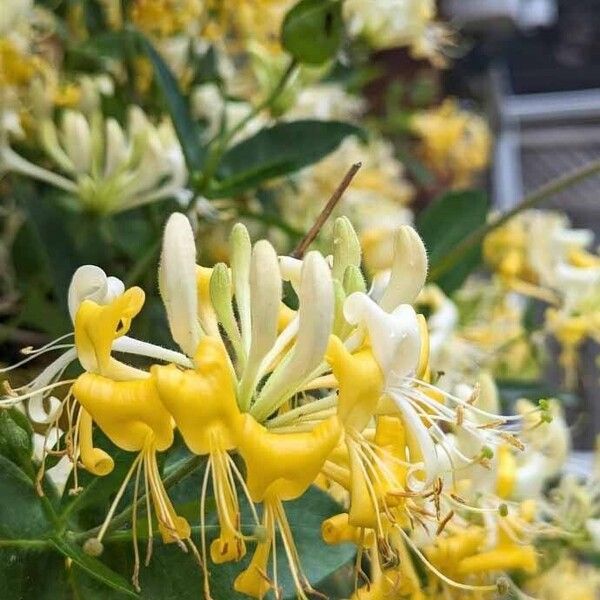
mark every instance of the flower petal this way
{"type": "Point", "coordinates": [409, 269]}
{"type": "Point", "coordinates": [177, 282]}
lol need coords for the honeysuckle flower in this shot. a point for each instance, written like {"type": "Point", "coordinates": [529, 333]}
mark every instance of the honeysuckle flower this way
{"type": "Point", "coordinates": [463, 553]}
{"type": "Point", "coordinates": [568, 578]}
{"type": "Point", "coordinates": [338, 390]}
{"type": "Point", "coordinates": [539, 255]}
{"type": "Point", "coordinates": [131, 414]}
{"type": "Point", "coordinates": [393, 23]}
{"type": "Point", "coordinates": [105, 168]}
{"type": "Point", "coordinates": [88, 282]}
{"type": "Point", "coordinates": [456, 143]}
{"type": "Point", "coordinates": [12, 14]}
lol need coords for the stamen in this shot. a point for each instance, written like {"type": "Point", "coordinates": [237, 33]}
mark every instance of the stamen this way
{"type": "Point", "coordinates": [135, 580]}
{"type": "Point", "coordinates": [444, 522]}
{"type": "Point", "coordinates": [117, 499]}
{"type": "Point", "coordinates": [149, 545]}
{"type": "Point", "coordinates": [32, 355]}
{"type": "Point", "coordinates": [207, 595]}
{"type": "Point", "coordinates": [15, 398]}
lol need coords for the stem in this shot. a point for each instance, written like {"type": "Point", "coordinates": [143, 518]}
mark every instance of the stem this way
{"type": "Point", "coordinates": [308, 239]}
{"type": "Point", "coordinates": [219, 146]}
{"type": "Point", "coordinates": [277, 90]}
{"type": "Point", "coordinates": [176, 476]}
{"type": "Point", "coordinates": [543, 193]}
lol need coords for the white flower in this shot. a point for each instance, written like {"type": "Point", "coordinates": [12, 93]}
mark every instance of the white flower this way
{"type": "Point", "coordinates": [108, 169]}
{"type": "Point", "coordinates": [13, 12]}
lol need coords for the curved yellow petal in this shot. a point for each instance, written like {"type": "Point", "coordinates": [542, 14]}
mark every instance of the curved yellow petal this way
{"type": "Point", "coordinates": [128, 412]}
{"type": "Point", "coordinates": [96, 328]}
{"type": "Point", "coordinates": [95, 460]}
{"type": "Point", "coordinates": [284, 465]}
{"type": "Point", "coordinates": [360, 383]}
{"type": "Point", "coordinates": [523, 558]}
{"type": "Point", "coordinates": [202, 402]}
{"type": "Point", "coordinates": [507, 472]}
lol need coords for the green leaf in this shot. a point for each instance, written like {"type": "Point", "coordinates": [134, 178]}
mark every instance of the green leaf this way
{"type": "Point", "coordinates": [22, 515]}
{"type": "Point", "coordinates": [511, 390]}
{"type": "Point", "coordinates": [173, 575]}
{"type": "Point", "coordinates": [93, 567]}
{"type": "Point", "coordinates": [312, 31]}
{"type": "Point", "coordinates": [15, 437]}
{"type": "Point", "coordinates": [279, 150]}
{"type": "Point", "coordinates": [188, 131]}
{"type": "Point", "coordinates": [445, 223]}
{"type": "Point", "coordinates": [27, 574]}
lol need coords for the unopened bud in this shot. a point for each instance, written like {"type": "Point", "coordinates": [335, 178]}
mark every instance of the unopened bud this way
{"type": "Point", "coordinates": [346, 247]}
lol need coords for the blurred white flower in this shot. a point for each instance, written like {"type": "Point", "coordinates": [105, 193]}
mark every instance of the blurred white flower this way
{"type": "Point", "coordinates": [106, 168]}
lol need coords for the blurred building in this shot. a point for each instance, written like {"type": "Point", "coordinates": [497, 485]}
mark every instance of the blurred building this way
{"type": "Point", "coordinates": [536, 65]}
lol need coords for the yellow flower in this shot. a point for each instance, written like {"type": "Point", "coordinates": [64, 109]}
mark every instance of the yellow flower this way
{"type": "Point", "coordinates": [566, 579]}
{"type": "Point", "coordinates": [338, 390]}
{"type": "Point", "coordinates": [203, 404]}
{"type": "Point", "coordinates": [281, 466]}
{"type": "Point", "coordinates": [164, 18]}
{"type": "Point", "coordinates": [455, 142]}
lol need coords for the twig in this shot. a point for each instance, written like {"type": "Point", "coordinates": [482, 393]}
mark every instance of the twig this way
{"type": "Point", "coordinates": [309, 238]}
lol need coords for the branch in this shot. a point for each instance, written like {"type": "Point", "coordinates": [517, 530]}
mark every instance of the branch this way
{"type": "Point", "coordinates": [309, 238]}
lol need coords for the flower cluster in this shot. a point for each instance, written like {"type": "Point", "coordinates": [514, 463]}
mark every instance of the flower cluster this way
{"type": "Point", "coordinates": [455, 142]}
{"type": "Point", "coordinates": [337, 392]}
{"type": "Point", "coordinates": [538, 254]}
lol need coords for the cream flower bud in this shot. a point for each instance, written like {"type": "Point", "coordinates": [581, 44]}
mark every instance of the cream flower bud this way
{"type": "Point", "coordinates": [77, 140]}
{"type": "Point", "coordinates": [241, 250]}
{"type": "Point", "coordinates": [49, 139]}
{"type": "Point", "coordinates": [315, 322]}
{"type": "Point", "coordinates": [265, 298]}
{"type": "Point", "coordinates": [117, 148]}
{"type": "Point", "coordinates": [409, 269]}
{"type": "Point", "coordinates": [291, 270]}
{"type": "Point", "coordinates": [177, 282]}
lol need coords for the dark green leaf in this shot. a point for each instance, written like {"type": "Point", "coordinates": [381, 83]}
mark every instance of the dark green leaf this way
{"type": "Point", "coordinates": [312, 31]}
{"type": "Point", "coordinates": [22, 515]}
{"type": "Point", "coordinates": [445, 223]}
{"type": "Point", "coordinates": [28, 574]}
{"type": "Point", "coordinates": [15, 437]}
{"type": "Point", "coordinates": [184, 580]}
{"type": "Point", "coordinates": [188, 131]}
{"type": "Point", "coordinates": [511, 390]}
{"type": "Point", "coordinates": [94, 567]}
{"type": "Point", "coordinates": [278, 150]}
